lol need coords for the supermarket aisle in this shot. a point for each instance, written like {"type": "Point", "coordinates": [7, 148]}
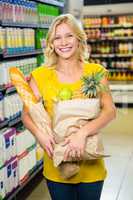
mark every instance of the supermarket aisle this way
{"type": "Point", "coordinates": [118, 140]}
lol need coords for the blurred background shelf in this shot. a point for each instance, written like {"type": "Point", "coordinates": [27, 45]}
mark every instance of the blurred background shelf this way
{"type": "Point", "coordinates": [29, 53]}
{"type": "Point", "coordinates": [35, 172]}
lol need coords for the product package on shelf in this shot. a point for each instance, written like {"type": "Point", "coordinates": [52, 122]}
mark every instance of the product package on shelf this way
{"type": "Point", "coordinates": [8, 160]}
{"type": "Point", "coordinates": [27, 12]}
{"type": "Point", "coordinates": [2, 151]}
{"type": "Point", "coordinates": [8, 144]}
{"type": "Point", "coordinates": [2, 39]}
{"type": "Point", "coordinates": [24, 140]}
{"type": "Point", "coordinates": [26, 152]}
{"type": "Point", "coordinates": [47, 13]}
{"type": "Point", "coordinates": [1, 107]}
{"type": "Point", "coordinates": [19, 12]}
{"type": "Point", "coordinates": [26, 162]}
{"type": "Point", "coordinates": [11, 175]}
{"type": "Point", "coordinates": [2, 182]}
{"type": "Point", "coordinates": [32, 161]}
{"type": "Point", "coordinates": [19, 40]}
{"type": "Point", "coordinates": [12, 107]}
{"type": "Point", "coordinates": [41, 38]}
{"type": "Point", "coordinates": [23, 167]}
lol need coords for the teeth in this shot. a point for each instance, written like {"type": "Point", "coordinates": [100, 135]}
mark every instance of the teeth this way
{"type": "Point", "coordinates": [65, 49]}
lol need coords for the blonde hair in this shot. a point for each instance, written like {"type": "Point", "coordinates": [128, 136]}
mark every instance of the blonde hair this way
{"type": "Point", "coordinates": [50, 54]}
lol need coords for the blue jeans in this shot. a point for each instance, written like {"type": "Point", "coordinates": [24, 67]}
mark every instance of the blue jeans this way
{"type": "Point", "coordinates": [80, 191]}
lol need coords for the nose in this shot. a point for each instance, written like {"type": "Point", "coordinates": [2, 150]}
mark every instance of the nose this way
{"type": "Point", "coordinates": [63, 41]}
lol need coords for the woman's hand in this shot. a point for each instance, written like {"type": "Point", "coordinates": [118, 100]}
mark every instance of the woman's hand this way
{"type": "Point", "coordinates": [75, 145]}
{"type": "Point", "coordinates": [47, 142]}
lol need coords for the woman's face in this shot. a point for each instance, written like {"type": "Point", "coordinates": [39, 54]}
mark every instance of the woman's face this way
{"type": "Point", "coordinates": [65, 42]}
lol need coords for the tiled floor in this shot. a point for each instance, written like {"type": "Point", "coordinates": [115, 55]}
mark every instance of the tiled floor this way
{"type": "Point", "coordinates": [118, 141]}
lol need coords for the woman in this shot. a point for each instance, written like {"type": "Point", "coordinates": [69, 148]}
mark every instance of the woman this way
{"type": "Point", "coordinates": [65, 65]}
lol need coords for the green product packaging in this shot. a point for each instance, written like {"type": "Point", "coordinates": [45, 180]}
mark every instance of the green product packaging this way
{"type": "Point", "coordinates": [40, 60]}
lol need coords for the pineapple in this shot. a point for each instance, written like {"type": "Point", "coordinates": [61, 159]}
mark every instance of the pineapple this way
{"type": "Point", "coordinates": [91, 84]}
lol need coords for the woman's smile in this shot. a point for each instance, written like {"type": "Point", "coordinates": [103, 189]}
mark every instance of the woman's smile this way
{"type": "Point", "coordinates": [65, 42]}
{"type": "Point", "coordinates": [65, 49]}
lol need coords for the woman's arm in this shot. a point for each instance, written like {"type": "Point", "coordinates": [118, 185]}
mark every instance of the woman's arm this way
{"type": "Point", "coordinates": [108, 113]}
{"type": "Point", "coordinates": [76, 142]}
{"type": "Point", "coordinates": [45, 140]}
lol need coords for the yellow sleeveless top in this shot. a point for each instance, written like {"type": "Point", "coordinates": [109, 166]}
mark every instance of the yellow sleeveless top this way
{"type": "Point", "coordinates": [49, 86]}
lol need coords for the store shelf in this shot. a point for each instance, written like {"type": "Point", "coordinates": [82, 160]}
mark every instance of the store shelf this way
{"type": "Point", "coordinates": [2, 88]}
{"type": "Point", "coordinates": [51, 2]}
{"type": "Point", "coordinates": [11, 122]}
{"type": "Point", "coordinates": [19, 25]}
{"type": "Point", "coordinates": [110, 26]}
{"type": "Point", "coordinates": [120, 69]}
{"type": "Point", "coordinates": [3, 124]}
{"type": "Point", "coordinates": [29, 53]}
{"type": "Point", "coordinates": [124, 55]}
{"type": "Point", "coordinates": [110, 39]}
{"type": "Point", "coordinates": [14, 121]}
{"type": "Point", "coordinates": [110, 55]}
{"type": "Point", "coordinates": [36, 170]}
{"type": "Point", "coordinates": [118, 26]}
{"type": "Point", "coordinates": [124, 105]}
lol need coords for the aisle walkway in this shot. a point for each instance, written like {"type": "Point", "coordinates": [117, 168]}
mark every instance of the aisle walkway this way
{"type": "Point", "coordinates": [118, 141]}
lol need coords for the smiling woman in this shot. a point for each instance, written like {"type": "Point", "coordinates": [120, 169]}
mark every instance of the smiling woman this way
{"type": "Point", "coordinates": [65, 42]}
{"type": "Point", "coordinates": [59, 79]}
{"type": "Point", "coordinates": [65, 32]}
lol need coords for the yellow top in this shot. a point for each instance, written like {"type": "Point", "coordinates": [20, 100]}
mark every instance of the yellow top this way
{"type": "Point", "coordinates": [49, 86]}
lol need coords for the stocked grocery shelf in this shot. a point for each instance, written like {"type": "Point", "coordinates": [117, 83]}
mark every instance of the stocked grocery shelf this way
{"type": "Point", "coordinates": [124, 105]}
{"type": "Point", "coordinates": [110, 43]}
{"type": "Point", "coordinates": [10, 123]}
{"type": "Point", "coordinates": [3, 123]}
{"type": "Point", "coordinates": [29, 53]}
{"type": "Point", "coordinates": [111, 26]}
{"type": "Point", "coordinates": [110, 39]}
{"type": "Point", "coordinates": [14, 121]}
{"type": "Point", "coordinates": [11, 24]}
{"type": "Point", "coordinates": [36, 170]}
{"type": "Point", "coordinates": [110, 55]}
{"type": "Point", "coordinates": [120, 69]}
{"type": "Point", "coordinates": [51, 2]}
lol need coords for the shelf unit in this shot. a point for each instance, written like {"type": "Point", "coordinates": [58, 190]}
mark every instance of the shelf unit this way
{"type": "Point", "coordinates": [110, 42]}
{"type": "Point", "coordinates": [111, 55]}
{"type": "Point", "coordinates": [34, 172]}
{"type": "Point", "coordinates": [8, 89]}
{"type": "Point", "coordinates": [6, 56]}
{"type": "Point", "coordinates": [8, 24]}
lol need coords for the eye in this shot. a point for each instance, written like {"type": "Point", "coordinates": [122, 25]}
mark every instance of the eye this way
{"type": "Point", "coordinates": [57, 38]}
{"type": "Point", "coordinates": [70, 35]}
